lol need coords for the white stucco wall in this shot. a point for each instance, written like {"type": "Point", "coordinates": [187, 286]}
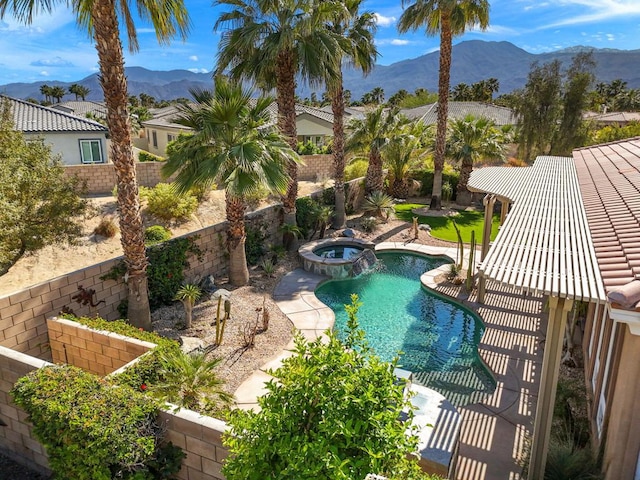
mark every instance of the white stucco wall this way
{"type": "Point", "coordinates": [309, 125]}
{"type": "Point", "coordinates": [67, 144]}
{"type": "Point", "coordinates": [161, 135]}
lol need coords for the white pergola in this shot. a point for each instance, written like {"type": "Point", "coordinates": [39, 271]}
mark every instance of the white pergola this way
{"type": "Point", "coordinates": [543, 246]}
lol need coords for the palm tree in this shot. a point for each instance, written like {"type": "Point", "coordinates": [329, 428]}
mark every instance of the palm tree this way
{"type": "Point", "coordinates": [449, 18]}
{"type": "Point", "coordinates": [369, 135]}
{"type": "Point", "coordinates": [405, 148]}
{"type": "Point", "coordinates": [356, 31]}
{"type": "Point", "coordinates": [472, 139]}
{"type": "Point", "coordinates": [232, 146]}
{"type": "Point", "coordinates": [270, 43]}
{"type": "Point", "coordinates": [44, 89]}
{"type": "Point", "coordinates": [101, 21]}
{"type": "Point", "coordinates": [57, 92]}
{"type": "Point", "coordinates": [189, 380]}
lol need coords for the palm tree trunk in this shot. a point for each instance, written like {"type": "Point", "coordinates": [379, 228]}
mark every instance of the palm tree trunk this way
{"type": "Point", "coordinates": [443, 107]}
{"type": "Point", "coordinates": [285, 98]}
{"type": "Point", "coordinates": [238, 271]}
{"type": "Point", "coordinates": [337, 107]}
{"type": "Point", "coordinates": [463, 195]}
{"type": "Point", "coordinates": [114, 86]}
{"type": "Point", "coordinates": [399, 188]}
{"type": "Point", "coordinates": [373, 181]}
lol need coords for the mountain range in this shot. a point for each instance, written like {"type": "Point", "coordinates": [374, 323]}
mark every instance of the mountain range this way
{"type": "Point", "coordinates": [471, 61]}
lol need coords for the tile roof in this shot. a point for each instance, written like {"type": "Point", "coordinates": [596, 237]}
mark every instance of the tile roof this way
{"type": "Point", "coordinates": [31, 118]}
{"type": "Point", "coordinates": [80, 109]}
{"type": "Point", "coordinates": [609, 176]}
{"type": "Point", "coordinates": [614, 117]}
{"type": "Point", "coordinates": [457, 110]}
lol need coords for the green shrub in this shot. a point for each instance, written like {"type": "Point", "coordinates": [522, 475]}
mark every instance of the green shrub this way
{"type": "Point", "coordinates": [167, 262]}
{"type": "Point", "coordinates": [356, 169]}
{"type": "Point", "coordinates": [329, 196]}
{"type": "Point", "coordinates": [368, 224]}
{"type": "Point", "coordinates": [425, 177]}
{"type": "Point", "coordinates": [333, 411]}
{"type": "Point", "coordinates": [156, 234]}
{"type": "Point", "coordinates": [308, 212]}
{"type": "Point", "coordinates": [164, 203]}
{"type": "Point", "coordinates": [149, 157]}
{"type": "Point", "coordinates": [254, 244]}
{"type": "Point", "coordinates": [310, 148]}
{"type": "Point", "coordinates": [93, 430]}
{"type": "Point", "coordinates": [379, 203]}
{"type": "Point", "coordinates": [254, 198]}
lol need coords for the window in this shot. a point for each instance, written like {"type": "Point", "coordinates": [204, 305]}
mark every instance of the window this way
{"type": "Point", "coordinates": [170, 138]}
{"type": "Point", "coordinates": [91, 151]}
{"type": "Point", "coordinates": [154, 136]}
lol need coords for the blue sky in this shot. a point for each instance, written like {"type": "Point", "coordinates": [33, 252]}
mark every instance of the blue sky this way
{"type": "Point", "coordinates": [53, 48]}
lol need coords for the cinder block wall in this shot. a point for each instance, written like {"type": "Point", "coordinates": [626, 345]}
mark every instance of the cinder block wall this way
{"type": "Point", "coordinates": [94, 351]}
{"type": "Point", "coordinates": [101, 178]}
{"type": "Point", "coordinates": [315, 167]}
{"type": "Point", "coordinates": [16, 438]}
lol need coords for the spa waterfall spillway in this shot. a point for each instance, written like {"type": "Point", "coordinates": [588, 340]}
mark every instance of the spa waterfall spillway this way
{"type": "Point", "coordinates": [340, 257]}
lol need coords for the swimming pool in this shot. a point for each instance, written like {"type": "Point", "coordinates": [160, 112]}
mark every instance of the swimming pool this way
{"type": "Point", "coordinates": [439, 338]}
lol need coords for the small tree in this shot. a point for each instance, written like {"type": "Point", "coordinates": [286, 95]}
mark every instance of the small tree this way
{"type": "Point", "coordinates": [39, 204]}
{"type": "Point", "coordinates": [188, 294]}
{"type": "Point", "coordinates": [333, 411]}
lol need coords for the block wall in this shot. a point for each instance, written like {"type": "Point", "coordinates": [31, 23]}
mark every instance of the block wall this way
{"type": "Point", "coordinates": [95, 351]}
{"type": "Point", "coordinates": [16, 436]}
{"type": "Point", "coordinates": [315, 167]}
{"type": "Point", "coordinates": [101, 178]}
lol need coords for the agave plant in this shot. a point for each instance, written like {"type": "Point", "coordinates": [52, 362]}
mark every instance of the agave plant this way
{"type": "Point", "coordinates": [379, 203]}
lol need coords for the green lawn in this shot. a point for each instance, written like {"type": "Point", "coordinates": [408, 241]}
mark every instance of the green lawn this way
{"type": "Point", "coordinates": [442, 227]}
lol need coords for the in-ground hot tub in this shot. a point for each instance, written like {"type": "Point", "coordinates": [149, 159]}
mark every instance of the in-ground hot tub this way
{"type": "Point", "coordinates": [335, 257]}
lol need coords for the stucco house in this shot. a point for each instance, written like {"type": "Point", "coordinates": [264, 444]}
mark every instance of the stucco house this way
{"type": "Point", "coordinates": [313, 125]}
{"type": "Point", "coordinates": [77, 140]}
{"type": "Point", "coordinates": [85, 109]}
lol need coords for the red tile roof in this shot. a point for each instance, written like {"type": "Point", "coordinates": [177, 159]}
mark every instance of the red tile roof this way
{"type": "Point", "coordinates": [609, 178]}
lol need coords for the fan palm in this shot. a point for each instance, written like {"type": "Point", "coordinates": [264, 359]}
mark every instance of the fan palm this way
{"type": "Point", "coordinates": [232, 146]}
{"type": "Point", "coordinates": [100, 19]}
{"type": "Point", "coordinates": [270, 43]}
{"type": "Point", "coordinates": [356, 31]}
{"type": "Point", "coordinates": [472, 139]}
{"type": "Point", "coordinates": [448, 18]}
{"type": "Point", "coordinates": [369, 135]}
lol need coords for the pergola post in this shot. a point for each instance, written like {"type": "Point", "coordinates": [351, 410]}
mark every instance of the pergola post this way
{"type": "Point", "coordinates": [488, 201]}
{"type": "Point", "coordinates": [504, 210]}
{"type": "Point", "coordinates": [558, 310]}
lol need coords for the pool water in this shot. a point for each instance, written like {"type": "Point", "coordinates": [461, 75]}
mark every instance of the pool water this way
{"type": "Point", "coordinates": [338, 251]}
{"type": "Point", "coordinates": [439, 338]}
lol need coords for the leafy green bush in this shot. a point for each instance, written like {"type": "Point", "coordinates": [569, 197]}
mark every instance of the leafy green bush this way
{"type": "Point", "coordinates": [356, 169]}
{"type": "Point", "coordinates": [254, 198]}
{"type": "Point", "coordinates": [368, 224]}
{"type": "Point", "coordinates": [310, 148]}
{"type": "Point", "coordinates": [379, 203]}
{"type": "Point", "coordinates": [167, 262]}
{"type": "Point", "coordinates": [425, 177]}
{"type": "Point", "coordinates": [156, 234]}
{"type": "Point", "coordinates": [333, 411]}
{"type": "Point", "coordinates": [254, 244]}
{"type": "Point", "coordinates": [164, 203]}
{"type": "Point", "coordinates": [93, 430]}
{"type": "Point", "coordinates": [149, 157]}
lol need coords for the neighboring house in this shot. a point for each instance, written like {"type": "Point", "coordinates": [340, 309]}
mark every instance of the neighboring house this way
{"type": "Point", "coordinates": [77, 140]}
{"type": "Point", "coordinates": [313, 124]}
{"type": "Point", "coordinates": [458, 110]}
{"type": "Point", "coordinates": [161, 129]}
{"type": "Point", "coordinates": [609, 178]}
{"type": "Point", "coordinates": [618, 119]}
{"type": "Point", "coordinates": [86, 109]}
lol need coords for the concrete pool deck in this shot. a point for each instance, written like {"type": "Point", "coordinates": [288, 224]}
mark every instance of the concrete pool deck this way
{"type": "Point", "coordinates": [494, 431]}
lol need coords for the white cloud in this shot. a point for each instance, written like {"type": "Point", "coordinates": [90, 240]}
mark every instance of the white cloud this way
{"type": "Point", "coordinates": [198, 70]}
{"type": "Point", "coordinates": [611, 37]}
{"type": "Point", "coordinates": [397, 41]}
{"type": "Point", "coordinates": [383, 21]}
{"type": "Point", "coordinates": [145, 30]}
{"type": "Point", "coordinates": [193, 58]}
{"type": "Point", "coordinates": [44, 73]}
{"type": "Point", "coordinates": [52, 62]}
{"type": "Point", "coordinates": [393, 41]}
{"type": "Point", "coordinates": [598, 11]}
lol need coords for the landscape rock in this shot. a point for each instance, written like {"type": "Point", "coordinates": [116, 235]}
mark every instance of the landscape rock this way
{"type": "Point", "coordinates": [348, 232]}
{"type": "Point", "coordinates": [190, 344]}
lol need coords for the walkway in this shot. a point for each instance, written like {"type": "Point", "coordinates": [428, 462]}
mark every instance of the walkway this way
{"type": "Point", "coordinates": [495, 431]}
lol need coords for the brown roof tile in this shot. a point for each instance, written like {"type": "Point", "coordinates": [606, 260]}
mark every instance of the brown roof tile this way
{"type": "Point", "coordinates": [609, 178]}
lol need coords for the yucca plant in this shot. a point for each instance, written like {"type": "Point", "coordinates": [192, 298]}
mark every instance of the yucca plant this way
{"type": "Point", "coordinates": [268, 266]}
{"type": "Point", "coordinates": [379, 203]}
{"type": "Point", "coordinates": [188, 294]}
{"type": "Point", "coordinates": [189, 380]}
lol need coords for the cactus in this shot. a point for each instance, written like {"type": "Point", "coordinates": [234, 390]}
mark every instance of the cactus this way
{"type": "Point", "coordinates": [470, 269]}
{"type": "Point", "coordinates": [221, 323]}
{"type": "Point", "coordinates": [460, 245]}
